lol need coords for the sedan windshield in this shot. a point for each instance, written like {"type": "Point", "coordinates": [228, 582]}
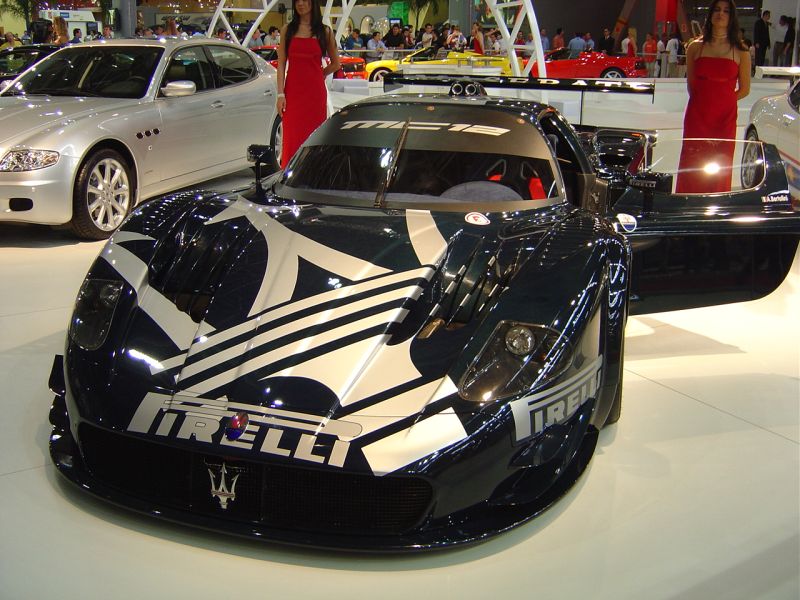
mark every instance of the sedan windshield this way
{"type": "Point", "coordinates": [106, 71]}
{"type": "Point", "coordinates": [438, 154]}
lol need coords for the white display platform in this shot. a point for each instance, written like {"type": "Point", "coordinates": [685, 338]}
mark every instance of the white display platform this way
{"type": "Point", "coordinates": [695, 493]}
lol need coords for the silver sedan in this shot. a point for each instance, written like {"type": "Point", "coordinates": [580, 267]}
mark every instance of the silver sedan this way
{"type": "Point", "coordinates": [94, 128]}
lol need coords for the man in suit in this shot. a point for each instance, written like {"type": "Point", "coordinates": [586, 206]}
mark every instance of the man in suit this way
{"type": "Point", "coordinates": [761, 38]}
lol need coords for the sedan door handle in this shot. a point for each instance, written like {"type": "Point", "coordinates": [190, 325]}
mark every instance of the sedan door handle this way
{"type": "Point", "coordinates": [217, 104]}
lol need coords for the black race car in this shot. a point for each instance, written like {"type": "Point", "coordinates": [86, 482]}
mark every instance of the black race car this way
{"type": "Point", "coordinates": [14, 61]}
{"type": "Point", "coordinates": [408, 339]}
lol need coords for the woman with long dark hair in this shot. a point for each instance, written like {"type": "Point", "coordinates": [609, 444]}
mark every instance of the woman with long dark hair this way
{"type": "Point", "coordinates": [302, 96]}
{"type": "Point", "coordinates": [718, 76]}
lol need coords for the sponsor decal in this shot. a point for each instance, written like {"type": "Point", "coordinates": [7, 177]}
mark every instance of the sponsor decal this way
{"type": "Point", "coordinates": [219, 489]}
{"type": "Point", "coordinates": [427, 126]}
{"type": "Point", "coordinates": [628, 222]}
{"type": "Point", "coordinates": [557, 404]}
{"type": "Point", "coordinates": [285, 433]}
{"type": "Point", "coordinates": [476, 218]}
{"type": "Point", "coordinates": [779, 197]}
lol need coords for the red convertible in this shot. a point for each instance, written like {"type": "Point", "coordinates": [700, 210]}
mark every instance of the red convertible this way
{"type": "Point", "coordinates": [352, 67]}
{"type": "Point", "coordinates": [591, 65]}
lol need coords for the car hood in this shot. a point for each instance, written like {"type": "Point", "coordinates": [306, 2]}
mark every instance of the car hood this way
{"type": "Point", "coordinates": [24, 116]}
{"type": "Point", "coordinates": [313, 310]}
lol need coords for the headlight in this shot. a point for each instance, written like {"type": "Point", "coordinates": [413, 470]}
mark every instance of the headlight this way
{"type": "Point", "coordinates": [94, 310]}
{"type": "Point", "coordinates": [28, 160]}
{"type": "Point", "coordinates": [513, 361]}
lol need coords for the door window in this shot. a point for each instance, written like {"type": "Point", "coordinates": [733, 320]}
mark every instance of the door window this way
{"type": "Point", "coordinates": [232, 65]}
{"type": "Point", "coordinates": [190, 64]}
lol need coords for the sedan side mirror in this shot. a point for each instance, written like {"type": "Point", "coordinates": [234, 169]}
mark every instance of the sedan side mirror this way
{"type": "Point", "coordinates": [179, 88]}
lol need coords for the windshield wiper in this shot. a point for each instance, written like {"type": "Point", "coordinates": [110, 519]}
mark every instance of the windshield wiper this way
{"type": "Point", "coordinates": [380, 198]}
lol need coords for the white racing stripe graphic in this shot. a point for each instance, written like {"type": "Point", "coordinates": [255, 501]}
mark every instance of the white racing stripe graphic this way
{"type": "Point", "coordinates": [289, 328]}
{"type": "Point", "coordinates": [401, 406]}
{"type": "Point", "coordinates": [558, 403]}
{"type": "Point", "coordinates": [177, 325]}
{"type": "Point", "coordinates": [428, 243]}
{"type": "Point", "coordinates": [284, 248]}
{"type": "Point", "coordinates": [303, 345]}
{"type": "Point", "coordinates": [418, 441]}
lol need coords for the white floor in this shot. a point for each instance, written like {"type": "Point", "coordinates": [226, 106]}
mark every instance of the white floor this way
{"type": "Point", "coordinates": [694, 494]}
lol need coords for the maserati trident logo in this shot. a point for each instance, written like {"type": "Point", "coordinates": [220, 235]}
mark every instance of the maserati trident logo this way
{"type": "Point", "coordinates": [220, 490]}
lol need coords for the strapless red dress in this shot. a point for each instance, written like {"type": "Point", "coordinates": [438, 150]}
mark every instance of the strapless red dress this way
{"type": "Point", "coordinates": [711, 113]}
{"type": "Point", "coordinates": [306, 95]}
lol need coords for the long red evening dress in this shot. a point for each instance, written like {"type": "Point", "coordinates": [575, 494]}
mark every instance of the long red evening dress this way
{"type": "Point", "coordinates": [306, 95]}
{"type": "Point", "coordinates": [711, 113]}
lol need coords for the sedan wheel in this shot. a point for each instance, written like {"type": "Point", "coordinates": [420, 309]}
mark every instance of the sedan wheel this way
{"type": "Point", "coordinates": [752, 161]}
{"type": "Point", "coordinates": [103, 195]}
{"type": "Point", "coordinates": [276, 142]}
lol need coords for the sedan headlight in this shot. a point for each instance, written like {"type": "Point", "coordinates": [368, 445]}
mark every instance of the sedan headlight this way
{"type": "Point", "coordinates": [93, 312]}
{"type": "Point", "coordinates": [28, 160]}
{"type": "Point", "coordinates": [514, 360]}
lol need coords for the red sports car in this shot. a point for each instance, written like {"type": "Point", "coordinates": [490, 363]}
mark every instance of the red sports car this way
{"type": "Point", "coordinates": [591, 65]}
{"type": "Point", "coordinates": [352, 67]}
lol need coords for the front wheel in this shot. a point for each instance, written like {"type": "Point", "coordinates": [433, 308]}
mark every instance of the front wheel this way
{"type": "Point", "coordinates": [378, 74]}
{"type": "Point", "coordinates": [612, 73]}
{"type": "Point", "coordinates": [104, 193]}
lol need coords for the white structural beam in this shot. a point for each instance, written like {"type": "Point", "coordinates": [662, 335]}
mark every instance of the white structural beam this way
{"type": "Point", "coordinates": [224, 8]}
{"type": "Point", "coordinates": [518, 12]}
{"type": "Point", "coordinates": [335, 14]}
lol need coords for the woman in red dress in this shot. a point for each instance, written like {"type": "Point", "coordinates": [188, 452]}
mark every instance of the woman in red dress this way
{"type": "Point", "coordinates": [477, 38]}
{"type": "Point", "coordinates": [302, 95]}
{"type": "Point", "coordinates": [718, 76]}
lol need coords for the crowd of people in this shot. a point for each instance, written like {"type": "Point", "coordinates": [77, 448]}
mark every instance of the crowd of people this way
{"type": "Point", "coordinates": [664, 54]}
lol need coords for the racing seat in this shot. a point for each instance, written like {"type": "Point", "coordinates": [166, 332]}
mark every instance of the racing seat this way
{"type": "Point", "coordinates": [481, 191]}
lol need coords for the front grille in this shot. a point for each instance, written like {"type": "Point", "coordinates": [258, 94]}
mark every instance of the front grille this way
{"type": "Point", "coordinates": [278, 496]}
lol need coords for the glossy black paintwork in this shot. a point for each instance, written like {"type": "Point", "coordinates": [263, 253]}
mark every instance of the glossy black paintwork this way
{"type": "Point", "coordinates": [560, 266]}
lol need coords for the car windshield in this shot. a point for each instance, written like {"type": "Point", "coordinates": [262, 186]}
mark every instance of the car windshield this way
{"type": "Point", "coordinates": [16, 61]}
{"type": "Point", "coordinates": [426, 155]}
{"type": "Point", "coordinates": [106, 71]}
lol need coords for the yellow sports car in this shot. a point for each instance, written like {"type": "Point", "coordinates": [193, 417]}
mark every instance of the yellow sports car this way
{"type": "Point", "coordinates": [430, 56]}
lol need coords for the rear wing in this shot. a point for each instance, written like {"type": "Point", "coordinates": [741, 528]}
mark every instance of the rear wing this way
{"type": "Point", "coordinates": [393, 82]}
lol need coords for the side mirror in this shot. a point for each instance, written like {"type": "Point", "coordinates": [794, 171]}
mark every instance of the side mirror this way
{"type": "Point", "coordinates": [179, 88]}
{"type": "Point", "coordinates": [258, 154]}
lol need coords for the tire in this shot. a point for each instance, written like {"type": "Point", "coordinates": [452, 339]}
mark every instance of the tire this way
{"type": "Point", "coordinates": [103, 195]}
{"type": "Point", "coordinates": [752, 171]}
{"type": "Point", "coordinates": [612, 73]}
{"type": "Point", "coordinates": [276, 143]}
{"type": "Point", "coordinates": [377, 74]}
